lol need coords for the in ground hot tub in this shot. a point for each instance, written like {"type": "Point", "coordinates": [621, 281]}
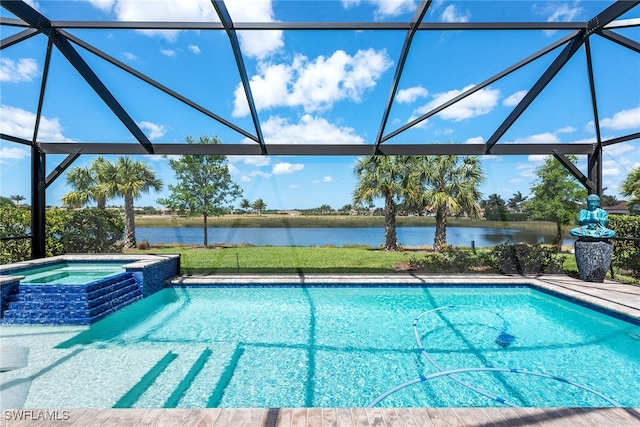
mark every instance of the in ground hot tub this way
{"type": "Point", "coordinates": [79, 289]}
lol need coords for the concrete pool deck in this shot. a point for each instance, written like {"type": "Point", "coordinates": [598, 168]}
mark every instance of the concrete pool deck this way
{"type": "Point", "coordinates": [609, 296]}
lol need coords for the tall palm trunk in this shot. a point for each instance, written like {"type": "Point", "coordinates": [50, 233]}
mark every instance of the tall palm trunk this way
{"type": "Point", "coordinates": [440, 238]}
{"type": "Point", "coordinates": [129, 223]}
{"type": "Point", "coordinates": [390, 237]}
{"type": "Point", "coordinates": [206, 231]}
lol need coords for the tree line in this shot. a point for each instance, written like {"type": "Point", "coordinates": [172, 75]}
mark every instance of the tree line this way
{"type": "Point", "coordinates": [444, 185]}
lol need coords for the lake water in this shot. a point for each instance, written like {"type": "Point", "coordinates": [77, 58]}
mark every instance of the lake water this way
{"type": "Point", "coordinates": [370, 236]}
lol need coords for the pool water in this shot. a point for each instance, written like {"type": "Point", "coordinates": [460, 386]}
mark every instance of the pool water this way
{"type": "Point", "coordinates": [75, 273]}
{"type": "Point", "coordinates": [343, 347]}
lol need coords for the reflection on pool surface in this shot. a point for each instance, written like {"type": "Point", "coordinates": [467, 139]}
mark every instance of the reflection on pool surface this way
{"type": "Point", "coordinates": [335, 347]}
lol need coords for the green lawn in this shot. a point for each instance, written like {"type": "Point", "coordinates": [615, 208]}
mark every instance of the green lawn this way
{"type": "Point", "coordinates": [302, 260]}
{"type": "Point", "coordinates": [272, 259]}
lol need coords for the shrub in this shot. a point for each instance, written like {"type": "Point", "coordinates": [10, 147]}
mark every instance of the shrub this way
{"type": "Point", "coordinates": [526, 258]}
{"type": "Point", "coordinates": [15, 221]}
{"type": "Point", "coordinates": [83, 231]}
{"type": "Point", "coordinates": [449, 260]}
{"type": "Point", "coordinates": [626, 253]}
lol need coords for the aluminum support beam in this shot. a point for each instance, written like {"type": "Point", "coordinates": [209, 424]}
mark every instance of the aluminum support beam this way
{"type": "Point", "coordinates": [568, 164]}
{"type": "Point", "coordinates": [620, 139]}
{"type": "Point", "coordinates": [564, 56]}
{"type": "Point", "coordinates": [157, 85]}
{"type": "Point", "coordinates": [59, 170]}
{"type": "Point", "coordinates": [404, 53]}
{"type": "Point", "coordinates": [315, 150]}
{"type": "Point", "coordinates": [596, 23]}
{"type": "Point", "coordinates": [621, 40]}
{"type": "Point", "coordinates": [223, 14]}
{"type": "Point", "coordinates": [38, 203]}
{"type": "Point", "coordinates": [316, 26]}
{"type": "Point", "coordinates": [17, 38]}
{"type": "Point", "coordinates": [594, 161]}
{"type": "Point", "coordinates": [480, 86]}
{"type": "Point", "coordinates": [15, 139]}
{"type": "Point", "coordinates": [36, 20]}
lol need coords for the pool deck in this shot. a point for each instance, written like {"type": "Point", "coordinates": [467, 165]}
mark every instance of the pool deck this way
{"type": "Point", "coordinates": [610, 296]}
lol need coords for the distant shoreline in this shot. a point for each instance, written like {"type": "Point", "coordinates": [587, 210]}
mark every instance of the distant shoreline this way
{"type": "Point", "coordinates": [329, 221]}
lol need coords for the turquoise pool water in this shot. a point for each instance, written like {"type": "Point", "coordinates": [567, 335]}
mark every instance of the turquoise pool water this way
{"type": "Point", "coordinates": [340, 346]}
{"type": "Point", "coordinates": [69, 273]}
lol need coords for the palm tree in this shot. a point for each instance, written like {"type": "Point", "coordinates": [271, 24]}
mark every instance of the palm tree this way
{"type": "Point", "coordinates": [17, 198]}
{"type": "Point", "coordinates": [386, 177]}
{"type": "Point", "coordinates": [516, 201]}
{"type": "Point", "coordinates": [130, 179]}
{"type": "Point", "coordinates": [450, 186]}
{"type": "Point", "coordinates": [85, 182]}
{"type": "Point", "coordinates": [245, 204]}
{"type": "Point", "coordinates": [259, 205]}
{"type": "Point", "coordinates": [494, 208]}
{"type": "Point", "coordinates": [631, 188]}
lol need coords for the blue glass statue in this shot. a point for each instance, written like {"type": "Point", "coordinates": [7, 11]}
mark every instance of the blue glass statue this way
{"type": "Point", "coordinates": [593, 221]}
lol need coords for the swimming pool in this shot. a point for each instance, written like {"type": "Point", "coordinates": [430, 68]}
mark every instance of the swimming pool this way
{"type": "Point", "coordinates": [337, 347]}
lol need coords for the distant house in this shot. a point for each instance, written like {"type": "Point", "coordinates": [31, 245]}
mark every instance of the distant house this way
{"type": "Point", "coordinates": [618, 209]}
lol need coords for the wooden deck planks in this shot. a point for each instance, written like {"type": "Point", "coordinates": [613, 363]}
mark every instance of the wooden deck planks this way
{"type": "Point", "coordinates": [346, 417]}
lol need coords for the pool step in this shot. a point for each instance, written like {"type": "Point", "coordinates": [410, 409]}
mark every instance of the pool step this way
{"type": "Point", "coordinates": [187, 377]}
{"type": "Point", "coordinates": [71, 304]}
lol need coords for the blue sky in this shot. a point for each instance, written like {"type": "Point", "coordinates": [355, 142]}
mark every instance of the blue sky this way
{"type": "Point", "coordinates": [319, 87]}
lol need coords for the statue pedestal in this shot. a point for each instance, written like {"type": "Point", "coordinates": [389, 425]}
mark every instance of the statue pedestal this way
{"type": "Point", "coordinates": [593, 258]}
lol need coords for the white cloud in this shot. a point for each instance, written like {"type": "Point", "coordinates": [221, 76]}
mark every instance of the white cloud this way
{"type": "Point", "coordinates": [475, 140]}
{"type": "Point", "coordinates": [619, 150]}
{"type": "Point", "coordinates": [260, 173]}
{"type": "Point", "coordinates": [168, 52]}
{"type": "Point", "coordinates": [154, 130]}
{"type": "Point", "coordinates": [625, 119]}
{"type": "Point", "coordinates": [479, 103]}
{"type": "Point", "coordinates": [194, 49]}
{"type": "Point", "coordinates": [557, 12]}
{"type": "Point", "coordinates": [566, 129]}
{"type": "Point", "coordinates": [13, 153]}
{"type": "Point", "coordinates": [392, 7]}
{"type": "Point", "coordinates": [611, 168]}
{"type": "Point", "coordinates": [233, 170]}
{"type": "Point", "coordinates": [286, 168]}
{"type": "Point", "coordinates": [445, 131]}
{"type": "Point", "coordinates": [314, 85]}
{"type": "Point", "coordinates": [451, 14]}
{"type": "Point", "coordinates": [513, 99]}
{"type": "Point", "coordinates": [309, 130]}
{"type": "Point", "coordinates": [130, 56]}
{"type": "Point", "coordinates": [348, 4]}
{"type": "Point", "coordinates": [257, 161]}
{"type": "Point", "coordinates": [411, 94]}
{"type": "Point", "coordinates": [22, 70]}
{"type": "Point", "coordinates": [386, 8]}
{"type": "Point", "coordinates": [103, 5]}
{"type": "Point", "coordinates": [258, 44]}
{"type": "Point", "coordinates": [327, 179]}
{"type": "Point", "coordinates": [560, 12]}
{"type": "Point", "coordinates": [20, 123]}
